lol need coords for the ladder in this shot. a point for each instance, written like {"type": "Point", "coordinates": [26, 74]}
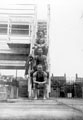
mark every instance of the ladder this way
{"type": "Point", "coordinates": [43, 26]}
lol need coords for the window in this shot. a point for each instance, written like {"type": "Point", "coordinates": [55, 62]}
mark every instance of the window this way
{"type": "Point", "coordinates": [3, 28]}
{"type": "Point", "coordinates": [19, 29]}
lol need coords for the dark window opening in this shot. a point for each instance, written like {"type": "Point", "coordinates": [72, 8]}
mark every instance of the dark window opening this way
{"type": "Point", "coordinates": [3, 28]}
{"type": "Point", "coordinates": [20, 30]}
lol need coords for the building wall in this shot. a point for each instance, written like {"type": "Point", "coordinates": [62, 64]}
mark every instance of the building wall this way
{"type": "Point", "coordinates": [16, 34]}
{"type": "Point", "coordinates": [56, 86]}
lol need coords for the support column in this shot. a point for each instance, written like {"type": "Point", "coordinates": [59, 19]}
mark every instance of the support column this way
{"type": "Point", "coordinates": [12, 92]}
{"type": "Point", "coordinates": [48, 56]}
{"type": "Point", "coordinates": [82, 91]}
{"type": "Point", "coordinates": [31, 50]}
{"type": "Point", "coordinates": [48, 88]}
{"type": "Point", "coordinates": [17, 92]}
{"type": "Point", "coordinates": [29, 88]}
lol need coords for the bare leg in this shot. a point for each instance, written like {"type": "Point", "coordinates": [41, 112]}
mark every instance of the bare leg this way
{"type": "Point", "coordinates": [44, 96]}
{"type": "Point", "coordinates": [36, 92]}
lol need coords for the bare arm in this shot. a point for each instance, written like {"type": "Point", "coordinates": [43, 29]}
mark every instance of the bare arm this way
{"type": "Point", "coordinates": [40, 45]}
{"type": "Point", "coordinates": [34, 78]}
{"type": "Point", "coordinates": [45, 78]}
{"type": "Point", "coordinates": [45, 61]}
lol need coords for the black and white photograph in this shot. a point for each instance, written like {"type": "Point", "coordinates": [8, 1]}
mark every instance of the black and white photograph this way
{"type": "Point", "coordinates": [41, 59]}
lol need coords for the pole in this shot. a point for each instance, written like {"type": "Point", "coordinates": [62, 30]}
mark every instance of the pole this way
{"type": "Point", "coordinates": [48, 40]}
{"type": "Point", "coordinates": [16, 73]}
{"type": "Point", "coordinates": [31, 49]}
{"type": "Point", "coordinates": [16, 86]}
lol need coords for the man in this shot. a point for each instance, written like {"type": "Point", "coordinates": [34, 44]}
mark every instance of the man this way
{"type": "Point", "coordinates": [28, 64]}
{"type": "Point", "coordinates": [41, 44]}
{"type": "Point", "coordinates": [40, 34]}
{"type": "Point", "coordinates": [40, 59]}
{"type": "Point", "coordinates": [40, 80]}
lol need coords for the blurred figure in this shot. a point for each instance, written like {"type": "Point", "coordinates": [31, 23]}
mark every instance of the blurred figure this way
{"type": "Point", "coordinates": [40, 80]}
{"type": "Point", "coordinates": [40, 59]}
{"type": "Point", "coordinates": [28, 64]}
{"type": "Point", "coordinates": [41, 43]}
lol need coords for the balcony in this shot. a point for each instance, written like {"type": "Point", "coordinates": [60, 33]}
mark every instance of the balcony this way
{"type": "Point", "coordinates": [16, 29]}
{"type": "Point", "coordinates": [18, 40]}
{"type": "Point", "coordinates": [6, 64]}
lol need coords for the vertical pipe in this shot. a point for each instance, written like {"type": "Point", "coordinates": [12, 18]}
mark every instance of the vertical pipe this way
{"type": "Point", "coordinates": [48, 41]}
{"type": "Point", "coordinates": [16, 73]}
{"type": "Point", "coordinates": [31, 50]}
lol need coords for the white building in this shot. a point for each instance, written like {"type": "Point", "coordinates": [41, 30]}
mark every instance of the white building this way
{"type": "Point", "coordinates": [17, 30]}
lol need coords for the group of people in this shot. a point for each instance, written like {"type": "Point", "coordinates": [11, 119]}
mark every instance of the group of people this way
{"type": "Point", "coordinates": [37, 65]}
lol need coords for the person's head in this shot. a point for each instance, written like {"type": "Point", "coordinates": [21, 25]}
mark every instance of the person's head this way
{"type": "Point", "coordinates": [41, 41]}
{"type": "Point", "coordinates": [30, 57]}
{"type": "Point", "coordinates": [40, 51]}
{"type": "Point", "coordinates": [39, 68]}
{"type": "Point", "coordinates": [40, 34]}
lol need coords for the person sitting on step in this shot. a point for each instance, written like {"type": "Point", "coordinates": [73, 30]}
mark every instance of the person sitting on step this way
{"type": "Point", "coordinates": [40, 80]}
{"type": "Point", "coordinates": [40, 59]}
{"type": "Point", "coordinates": [41, 43]}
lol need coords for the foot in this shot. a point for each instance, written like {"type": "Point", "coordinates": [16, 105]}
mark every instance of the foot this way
{"type": "Point", "coordinates": [44, 98]}
{"type": "Point", "coordinates": [35, 98]}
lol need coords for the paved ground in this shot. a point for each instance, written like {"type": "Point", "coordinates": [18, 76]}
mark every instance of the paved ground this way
{"type": "Point", "coordinates": [74, 103]}
{"type": "Point", "coordinates": [53, 109]}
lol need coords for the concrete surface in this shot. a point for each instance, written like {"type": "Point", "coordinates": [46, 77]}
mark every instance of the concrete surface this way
{"type": "Point", "coordinates": [75, 103]}
{"type": "Point", "coordinates": [23, 109]}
